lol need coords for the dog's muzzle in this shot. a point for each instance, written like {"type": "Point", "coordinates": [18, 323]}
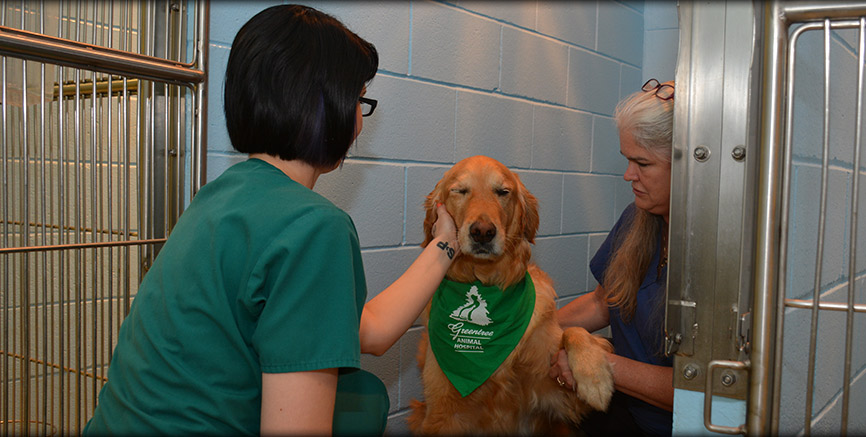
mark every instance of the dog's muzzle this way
{"type": "Point", "coordinates": [483, 236]}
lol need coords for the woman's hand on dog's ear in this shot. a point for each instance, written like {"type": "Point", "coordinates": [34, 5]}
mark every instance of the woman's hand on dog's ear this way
{"type": "Point", "coordinates": [444, 228]}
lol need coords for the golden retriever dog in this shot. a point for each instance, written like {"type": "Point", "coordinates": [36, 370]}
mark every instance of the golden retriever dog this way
{"type": "Point", "coordinates": [497, 219]}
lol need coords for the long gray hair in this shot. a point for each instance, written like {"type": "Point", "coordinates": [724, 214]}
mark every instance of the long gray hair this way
{"type": "Point", "coordinates": [650, 121]}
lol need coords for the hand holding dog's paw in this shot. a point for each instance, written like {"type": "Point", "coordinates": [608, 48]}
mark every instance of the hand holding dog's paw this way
{"type": "Point", "coordinates": [590, 368]}
{"type": "Point", "coordinates": [560, 372]}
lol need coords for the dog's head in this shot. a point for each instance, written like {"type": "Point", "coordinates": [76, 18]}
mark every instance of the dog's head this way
{"type": "Point", "coordinates": [496, 219]}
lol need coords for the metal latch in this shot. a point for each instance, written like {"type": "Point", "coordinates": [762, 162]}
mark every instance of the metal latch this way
{"type": "Point", "coordinates": [728, 378]}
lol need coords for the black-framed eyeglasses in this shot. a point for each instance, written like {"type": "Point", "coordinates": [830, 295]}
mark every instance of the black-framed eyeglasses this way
{"type": "Point", "coordinates": [664, 92]}
{"type": "Point", "coordinates": [367, 106]}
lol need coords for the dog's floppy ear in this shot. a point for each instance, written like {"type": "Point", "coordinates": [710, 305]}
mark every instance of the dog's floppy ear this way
{"type": "Point", "coordinates": [435, 197]}
{"type": "Point", "coordinates": [529, 205]}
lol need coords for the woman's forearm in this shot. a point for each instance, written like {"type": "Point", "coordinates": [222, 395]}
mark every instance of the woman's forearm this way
{"type": "Point", "coordinates": [388, 315]}
{"type": "Point", "coordinates": [588, 311]}
{"type": "Point", "coordinates": [647, 382]}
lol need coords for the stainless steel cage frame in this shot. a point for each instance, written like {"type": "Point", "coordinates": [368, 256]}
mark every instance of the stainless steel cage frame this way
{"type": "Point", "coordinates": [731, 283]}
{"type": "Point", "coordinates": [785, 23]}
{"type": "Point", "coordinates": [102, 132]}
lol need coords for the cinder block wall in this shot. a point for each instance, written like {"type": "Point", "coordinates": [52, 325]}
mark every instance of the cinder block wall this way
{"type": "Point", "coordinates": [532, 83]}
{"type": "Point", "coordinates": [661, 39]}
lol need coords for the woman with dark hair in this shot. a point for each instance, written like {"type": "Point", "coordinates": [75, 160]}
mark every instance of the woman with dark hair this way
{"type": "Point", "coordinates": [630, 267]}
{"type": "Point", "coordinates": [255, 306]}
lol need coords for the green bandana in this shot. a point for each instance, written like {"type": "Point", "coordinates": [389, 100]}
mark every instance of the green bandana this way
{"type": "Point", "coordinates": [473, 328]}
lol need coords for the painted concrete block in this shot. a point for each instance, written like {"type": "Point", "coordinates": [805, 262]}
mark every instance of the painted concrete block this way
{"type": "Point", "coordinates": [383, 266]}
{"type": "Point", "coordinates": [605, 147]}
{"type": "Point", "coordinates": [660, 54]}
{"type": "Point", "coordinates": [411, 387]}
{"type": "Point", "coordinates": [639, 5]}
{"type": "Point", "coordinates": [413, 121]}
{"type": "Point", "coordinates": [624, 196]}
{"type": "Point", "coordinates": [845, 37]}
{"type": "Point", "coordinates": [587, 203]}
{"type": "Point", "coordinates": [857, 422]}
{"type": "Point", "coordinates": [807, 138]}
{"type": "Point", "coordinates": [495, 126]}
{"type": "Point", "coordinates": [453, 46]}
{"type": "Point", "coordinates": [227, 17]}
{"type": "Point", "coordinates": [383, 23]}
{"type": "Point", "coordinates": [861, 223]}
{"type": "Point", "coordinates": [562, 139]}
{"type": "Point", "coordinates": [661, 15]}
{"type": "Point", "coordinates": [620, 32]}
{"type": "Point", "coordinates": [397, 425]}
{"type": "Point", "coordinates": [803, 229]}
{"type": "Point", "coordinates": [519, 13]}
{"type": "Point", "coordinates": [219, 162]}
{"type": "Point", "coordinates": [831, 353]}
{"type": "Point", "coordinates": [593, 82]}
{"type": "Point", "coordinates": [828, 364]}
{"type": "Point", "coordinates": [217, 135]}
{"type": "Point", "coordinates": [630, 80]}
{"type": "Point", "coordinates": [533, 67]}
{"type": "Point", "coordinates": [794, 375]}
{"type": "Point", "coordinates": [547, 189]}
{"type": "Point", "coordinates": [595, 242]}
{"type": "Point", "coordinates": [688, 418]}
{"type": "Point", "coordinates": [564, 259]}
{"type": "Point", "coordinates": [372, 194]}
{"type": "Point", "coordinates": [420, 181]}
{"type": "Point", "coordinates": [809, 101]}
{"type": "Point", "coordinates": [574, 22]}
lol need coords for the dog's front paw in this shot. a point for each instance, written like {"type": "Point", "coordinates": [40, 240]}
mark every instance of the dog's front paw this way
{"type": "Point", "coordinates": [589, 366]}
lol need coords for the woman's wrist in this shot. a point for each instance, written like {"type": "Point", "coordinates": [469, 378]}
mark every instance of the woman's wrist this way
{"type": "Point", "coordinates": [447, 249]}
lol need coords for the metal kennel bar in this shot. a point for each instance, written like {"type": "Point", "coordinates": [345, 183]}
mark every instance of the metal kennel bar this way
{"type": "Point", "coordinates": [767, 277]}
{"type": "Point", "coordinates": [102, 143]}
{"type": "Point", "coordinates": [793, 20]}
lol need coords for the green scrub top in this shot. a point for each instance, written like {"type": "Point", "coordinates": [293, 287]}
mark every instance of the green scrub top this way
{"type": "Point", "coordinates": [260, 275]}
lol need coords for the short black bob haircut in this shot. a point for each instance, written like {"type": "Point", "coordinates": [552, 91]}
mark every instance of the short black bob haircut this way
{"type": "Point", "coordinates": [292, 84]}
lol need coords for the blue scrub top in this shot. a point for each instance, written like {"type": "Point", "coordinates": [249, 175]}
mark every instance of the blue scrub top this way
{"type": "Point", "coordinates": [641, 338]}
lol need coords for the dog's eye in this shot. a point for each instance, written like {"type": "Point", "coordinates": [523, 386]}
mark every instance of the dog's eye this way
{"type": "Point", "coordinates": [460, 190]}
{"type": "Point", "coordinates": [502, 192]}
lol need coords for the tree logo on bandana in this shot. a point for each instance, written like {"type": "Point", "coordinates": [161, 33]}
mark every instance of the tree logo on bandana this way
{"type": "Point", "coordinates": [474, 310]}
{"type": "Point", "coordinates": [474, 327]}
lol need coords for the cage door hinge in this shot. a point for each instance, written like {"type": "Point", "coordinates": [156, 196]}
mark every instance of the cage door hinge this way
{"type": "Point", "coordinates": [744, 334]}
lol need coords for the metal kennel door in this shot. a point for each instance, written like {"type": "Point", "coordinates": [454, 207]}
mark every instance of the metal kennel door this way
{"type": "Point", "coordinates": [767, 282]}
{"type": "Point", "coordinates": [101, 136]}
{"type": "Point", "coordinates": [814, 79]}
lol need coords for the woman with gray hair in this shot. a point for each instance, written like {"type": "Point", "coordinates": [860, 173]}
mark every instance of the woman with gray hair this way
{"type": "Point", "coordinates": [630, 267]}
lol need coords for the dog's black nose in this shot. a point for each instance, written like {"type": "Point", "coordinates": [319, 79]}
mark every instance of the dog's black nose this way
{"type": "Point", "coordinates": [482, 232]}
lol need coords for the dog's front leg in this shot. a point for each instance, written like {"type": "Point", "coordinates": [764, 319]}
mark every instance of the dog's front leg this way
{"type": "Point", "coordinates": [589, 366]}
